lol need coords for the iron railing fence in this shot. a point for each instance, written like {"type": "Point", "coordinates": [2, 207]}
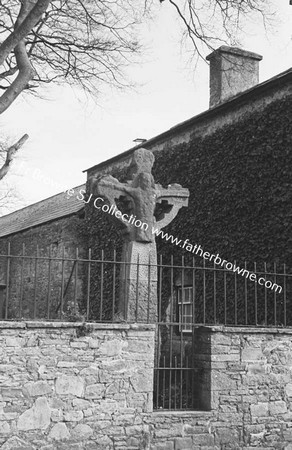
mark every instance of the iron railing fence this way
{"type": "Point", "coordinates": [176, 383]}
{"type": "Point", "coordinates": [188, 292]}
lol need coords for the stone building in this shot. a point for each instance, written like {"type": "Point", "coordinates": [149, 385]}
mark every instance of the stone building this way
{"type": "Point", "coordinates": [235, 158]}
{"type": "Point", "coordinates": [89, 386]}
{"type": "Point", "coordinates": [54, 221]}
{"type": "Point", "coordinates": [48, 228]}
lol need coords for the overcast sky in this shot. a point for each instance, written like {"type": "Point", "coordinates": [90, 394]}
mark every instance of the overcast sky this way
{"type": "Point", "coordinates": [70, 132]}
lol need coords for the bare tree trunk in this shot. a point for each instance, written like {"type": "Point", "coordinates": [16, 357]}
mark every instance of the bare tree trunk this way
{"type": "Point", "coordinates": [30, 13]}
{"type": "Point", "coordinates": [27, 23]}
{"type": "Point", "coordinates": [10, 155]}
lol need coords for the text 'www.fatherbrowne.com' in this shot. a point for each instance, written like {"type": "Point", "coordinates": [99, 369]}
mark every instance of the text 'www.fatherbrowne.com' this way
{"type": "Point", "coordinates": [198, 250]}
{"type": "Point", "coordinates": [195, 249]}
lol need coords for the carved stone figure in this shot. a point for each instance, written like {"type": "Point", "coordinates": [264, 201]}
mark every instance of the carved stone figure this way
{"type": "Point", "coordinates": [145, 207]}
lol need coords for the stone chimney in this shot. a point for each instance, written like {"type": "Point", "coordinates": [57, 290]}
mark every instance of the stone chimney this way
{"type": "Point", "coordinates": [232, 71]}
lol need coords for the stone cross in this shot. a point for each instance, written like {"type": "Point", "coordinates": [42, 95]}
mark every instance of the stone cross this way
{"type": "Point", "coordinates": [144, 207]}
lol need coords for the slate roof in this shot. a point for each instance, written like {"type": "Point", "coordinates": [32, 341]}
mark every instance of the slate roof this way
{"type": "Point", "coordinates": [52, 208]}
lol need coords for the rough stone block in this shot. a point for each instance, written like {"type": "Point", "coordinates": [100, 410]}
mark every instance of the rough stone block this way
{"type": "Point", "coordinates": [114, 388]}
{"type": "Point", "coordinates": [59, 432]}
{"type": "Point", "coordinates": [231, 418]}
{"type": "Point", "coordinates": [261, 409]}
{"type": "Point", "coordinates": [221, 381]}
{"type": "Point", "coordinates": [9, 415]}
{"type": "Point", "coordinates": [37, 417]}
{"type": "Point", "coordinates": [138, 346]}
{"type": "Point", "coordinates": [203, 439]}
{"type": "Point", "coordinates": [110, 406]}
{"type": "Point", "coordinates": [56, 415]}
{"type": "Point", "coordinates": [288, 389]}
{"type": "Point", "coordinates": [228, 408]}
{"type": "Point", "coordinates": [116, 366]}
{"type": "Point", "coordinates": [11, 393]}
{"type": "Point", "coordinates": [73, 416]}
{"type": "Point", "coordinates": [143, 381]}
{"type": "Point", "coordinates": [91, 371]}
{"type": "Point", "coordinates": [78, 344]}
{"type": "Point", "coordinates": [37, 388]}
{"type": "Point", "coordinates": [257, 438]}
{"type": "Point", "coordinates": [287, 435]}
{"type": "Point", "coordinates": [14, 342]}
{"type": "Point", "coordinates": [166, 431]}
{"type": "Point", "coordinates": [194, 429]}
{"type": "Point", "coordinates": [256, 369]}
{"type": "Point", "coordinates": [94, 391]}
{"type": "Point", "coordinates": [255, 428]}
{"type": "Point", "coordinates": [183, 444]}
{"type": "Point", "coordinates": [66, 364]}
{"type": "Point", "coordinates": [80, 403]}
{"type": "Point", "coordinates": [14, 443]}
{"type": "Point", "coordinates": [225, 357]}
{"type": "Point", "coordinates": [278, 407]}
{"type": "Point", "coordinates": [112, 347]}
{"type": "Point", "coordinates": [102, 443]}
{"type": "Point", "coordinates": [82, 431]}
{"type": "Point", "coordinates": [93, 343]}
{"type": "Point", "coordinates": [51, 342]}
{"type": "Point", "coordinates": [73, 446]}
{"type": "Point", "coordinates": [226, 436]}
{"type": "Point", "coordinates": [251, 354]}
{"type": "Point", "coordinates": [57, 402]}
{"type": "Point", "coordinates": [4, 428]}
{"type": "Point", "coordinates": [70, 385]}
{"type": "Point", "coordinates": [163, 446]}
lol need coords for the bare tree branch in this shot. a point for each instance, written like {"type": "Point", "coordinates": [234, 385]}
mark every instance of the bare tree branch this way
{"type": "Point", "coordinates": [80, 42]}
{"type": "Point", "coordinates": [210, 22]}
{"type": "Point", "coordinates": [24, 27]}
{"type": "Point", "coordinates": [10, 153]}
{"type": "Point", "coordinates": [25, 71]}
{"type": "Point", "coordinates": [9, 199]}
{"type": "Point", "coordinates": [88, 43]}
{"type": "Point", "coordinates": [25, 74]}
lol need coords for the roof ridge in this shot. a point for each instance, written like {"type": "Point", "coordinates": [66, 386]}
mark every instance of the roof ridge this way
{"type": "Point", "coordinates": [215, 109]}
{"type": "Point", "coordinates": [52, 208]}
{"type": "Point", "coordinates": [42, 201]}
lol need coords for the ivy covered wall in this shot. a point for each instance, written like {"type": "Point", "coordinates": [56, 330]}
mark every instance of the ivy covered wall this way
{"type": "Point", "coordinates": [240, 205]}
{"type": "Point", "coordinates": [240, 182]}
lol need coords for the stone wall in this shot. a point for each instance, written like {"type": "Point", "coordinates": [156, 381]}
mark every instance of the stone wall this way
{"type": "Point", "coordinates": [62, 233]}
{"type": "Point", "coordinates": [89, 387]}
{"type": "Point", "coordinates": [246, 383]}
{"type": "Point", "coordinates": [66, 386]}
